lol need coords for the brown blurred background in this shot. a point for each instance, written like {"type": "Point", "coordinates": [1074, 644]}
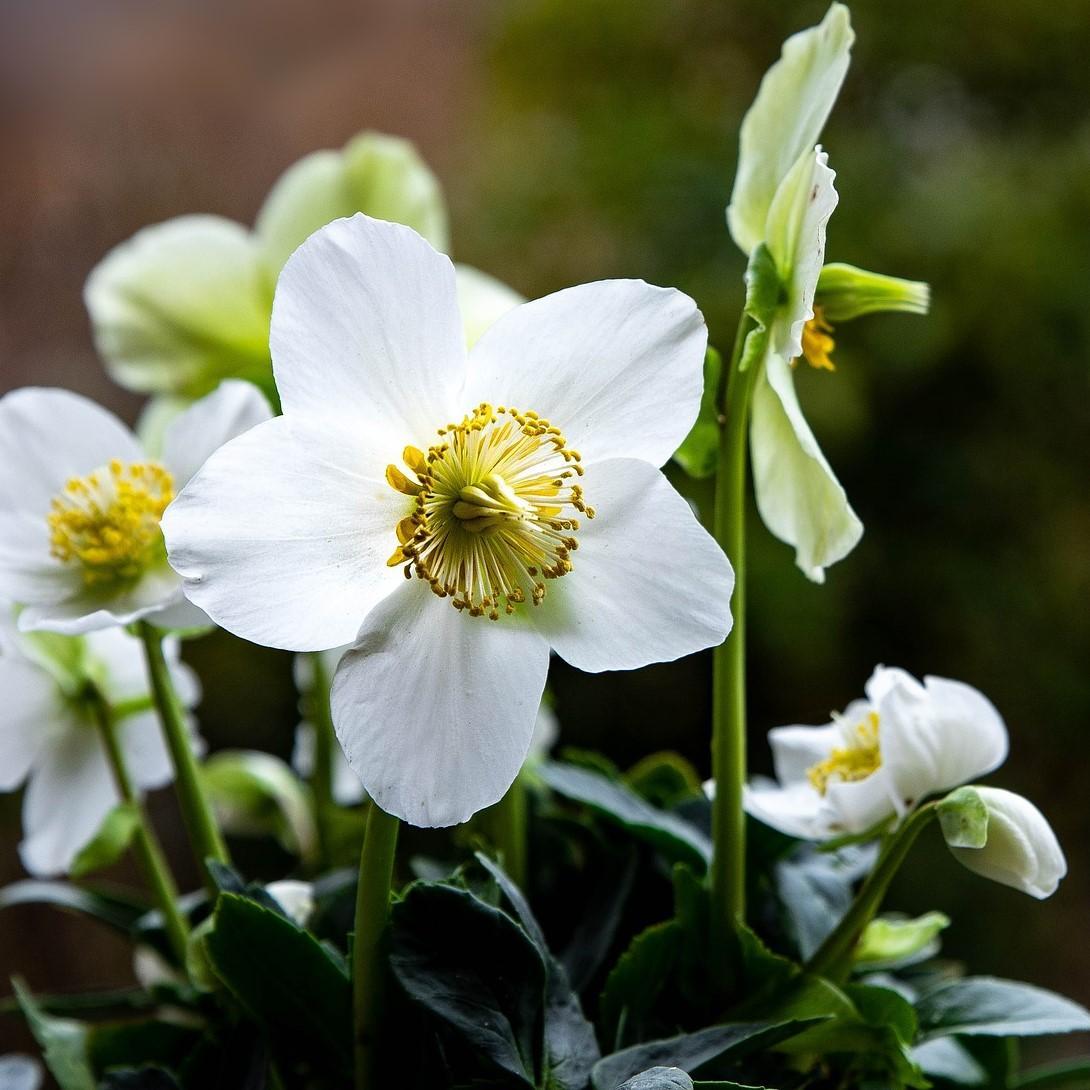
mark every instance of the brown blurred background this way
{"type": "Point", "coordinates": [579, 139]}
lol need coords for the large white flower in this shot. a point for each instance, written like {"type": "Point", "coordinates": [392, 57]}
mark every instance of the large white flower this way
{"type": "Point", "coordinates": [49, 738]}
{"type": "Point", "coordinates": [81, 500]}
{"type": "Point", "coordinates": [186, 303]}
{"type": "Point", "coordinates": [520, 485]}
{"type": "Point", "coordinates": [883, 756]}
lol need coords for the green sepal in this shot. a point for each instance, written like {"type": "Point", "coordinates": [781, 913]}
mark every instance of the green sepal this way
{"type": "Point", "coordinates": [699, 453]}
{"type": "Point", "coordinates": [110, 842]}
{"type": "Point", "coordinates": [765, 294]}
{"type": "Point", "coordinates": [963, 817]}
{"type": "Point", "coordinates": [889, 943]}
{"type": "Point", "coordinates": [845, 292]}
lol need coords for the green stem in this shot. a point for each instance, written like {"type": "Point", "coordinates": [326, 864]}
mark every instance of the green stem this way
{"type": "Point", "coordinates": [145, 843]}
{"type": "Point", "coordinates": [833, 957]}
{"type": "Point", "coordinates": [728, 869]}
{"type": "Point", "coordinates": [506, 827]}
{"type": "Point", "coordinates": [368, 944]}
{"type": "Point", "coordinates": [325, 746]}
{"type": "Point", "coordinates": [204, 834]}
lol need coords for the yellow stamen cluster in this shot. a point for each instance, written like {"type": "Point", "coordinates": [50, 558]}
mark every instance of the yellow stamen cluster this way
{"type": "Point", "coordinates": [818, 343]}
{"type": "Point", "coordinates": [495, 511]}
{"type": "Point", "coordinates": [854, 762]}
{"type": "Point", "coordinates": [108, 521]}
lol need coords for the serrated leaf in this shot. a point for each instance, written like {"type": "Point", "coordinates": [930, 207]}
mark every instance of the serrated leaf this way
{"type": "Point", "coordinates": [691, 1050]}
{"type": "Point", "coordinates": [664, 779]}
{"type": "Point", "coordinates": [286, 980]}
{"type": "Point", "coordinates": [635, 981]}
{"type": "Point", "coordinates": [699, 453]}
{"type": "Point", "coordinates": [63, 1043]}
{"type": "Point", "coordinates": [109, 843]}
{"type": "Point", "coordinates": [115, 910]}
{"type": "Point", "coordinates": [997, 1008]}
{"type": "Point", "coordinates": [675, 838]}
{"type": "Point", "coordinates": [659, 1078]}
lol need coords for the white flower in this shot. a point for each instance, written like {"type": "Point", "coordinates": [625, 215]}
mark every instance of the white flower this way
{"type": "Point", "coordinates": [49, 737]}
{"type": "Point", "coordinates": [80, 504]}
{"type": "Point", "coordinates": [186, 303]}
{"type": "Point", "coordinates": [883, 756]}
{"type": "Point", "coordinates": [1021, 850]}
{"type": "Point", "coordinates": [304, 530]}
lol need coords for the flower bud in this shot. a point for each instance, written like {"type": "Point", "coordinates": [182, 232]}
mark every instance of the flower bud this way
{"type": "Point", "coordinates": [1018, 849]}
{"type": "Point", "coordinates": [845, 292]}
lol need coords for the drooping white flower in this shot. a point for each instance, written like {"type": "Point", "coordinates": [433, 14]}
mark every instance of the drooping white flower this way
{"type": "Point", "coordinates": [80, 504]}
{"type": "Point", "coordinates": [880, 758]}
{"type": "Point", "coordinates": [186, 303]}
{"type": "Point", "coordinates": [49, 737]}
{"type": "Point", "coordinates": [520, 485]}
{"type": "Point", "coordinates": [1019, 848]}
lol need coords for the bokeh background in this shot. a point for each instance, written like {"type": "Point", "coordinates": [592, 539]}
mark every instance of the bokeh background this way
{"type": "Point", "coordinates": [580, 139]}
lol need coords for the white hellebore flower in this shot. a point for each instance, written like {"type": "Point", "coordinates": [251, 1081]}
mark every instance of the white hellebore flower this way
{"type": "Point", "coordinates": [398, 455]}
{"type": "Point", "coordinates": [1020, 849]}
{"type": "Point", "coordinates": [80, 504]}
{"type": "Point", "coordinates": [883, 756]}
{"type": "Point", "coordinates": [49, 736]}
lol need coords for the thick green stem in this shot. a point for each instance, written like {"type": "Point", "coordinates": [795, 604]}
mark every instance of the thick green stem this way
{"type": "Point", "coordinates": [204, 834]}
{"type": "Point", "coordinates": [368, 944]}
{"type": "Point", "coordinates": [833, 958]}
{"type": "Point", "coordinates": [325, 746]}
{"type": "Point", "coordinates": [505, 826]}
{"type": "Point", "coordinates": [145, 844]}
{"type": "Point", "coordinates": [728, 869]}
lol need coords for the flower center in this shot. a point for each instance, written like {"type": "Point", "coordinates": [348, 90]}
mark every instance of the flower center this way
{"type": "Point", "coordinates": [496, 500]}
{"type": "Point", "coordinates": [817, 342]}
{"type": "Point", "coordinates": [854, 762]}
{"type": "Point", "coordinates": [108, 521]}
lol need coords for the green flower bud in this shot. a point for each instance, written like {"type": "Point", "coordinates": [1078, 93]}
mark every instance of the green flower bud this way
{"type": "Point", "coordinates": [845, 292]}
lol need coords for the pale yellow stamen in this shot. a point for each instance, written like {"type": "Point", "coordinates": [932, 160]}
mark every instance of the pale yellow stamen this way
{"type": "Point", "coordinates": [495, 511]}
{"type": "Point", "coordinates": [108, 522]}
{"type": "Point", "coordinates": [856, 761]}
{"type": "Point", "coordinates": [818, 343]}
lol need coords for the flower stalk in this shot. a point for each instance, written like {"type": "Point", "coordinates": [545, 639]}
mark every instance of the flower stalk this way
{"type": "Point", "coordinates": [728, 878]}
{"type": "Point", "coordinates": [833, 959]}
{"type": "Point", "coordinates": [200, 822]}
{"type": "Point", "coordinates": [505, 826]}
{"type": "Point", "coordinates": [325, 744]}
{"type": "Point", "coordinates": [368, 944]}
{"type": "Point", "coordinates": [145, 843]}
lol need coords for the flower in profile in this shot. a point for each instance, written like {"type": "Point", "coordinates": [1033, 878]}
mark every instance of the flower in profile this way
{"type": "Point", "coordinates": [456, 515]}
{"type": "Point", "coordinates": [782, 200]}
{"type": "Point", "coordinates": [81, 500]}
{"type": "Point", "coordinates": [49, 737]}
{"type": "Point", "coordinates": [1003, 836]}
{"type": "Point", "coordinates": [879, 759]}
{"type": "Point", "coordinates": [184, 304]}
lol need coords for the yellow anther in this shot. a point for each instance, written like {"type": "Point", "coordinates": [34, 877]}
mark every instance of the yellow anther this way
{"type": "Point", "coordinates": [859, 759]}
{"type": "Point", "coordinates": [396, 479]}
{"type": "Point", "coordinates": [818, 343]}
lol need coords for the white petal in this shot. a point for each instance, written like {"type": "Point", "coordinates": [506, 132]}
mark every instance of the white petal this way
{"type": "Point", "coordinates": [294, 897]}
{"type": "Point", "coordinates": [145, 751]}
{"type": "Point", "coordinates": [887, 679]}
{"type": "Point", "coordinates": [650, 584]}
{"type": "Point", "coordinates": [795, 750]}
{"type": "Point", "coordinates": [69, 795]}
{"type": "Point", "coordinates": [1022, 850]}
{"type": "Point", "coordinates": [787, 116]}
{"type": "Point", "coordinates": [434, 709]}
{"type": "Point", "coordinates": [27, 572]}
{"type": "Point", "coordinates": [48, 436]}
{"type": "Point", "coordinates": [283, 536]}
{"type": "Point", "coordinates": [233, 408]}
{"type": "Point", "coordinates": [936, 739]}
{"type": "Point", "coordinates": [180, 615]}
{"type": "Point", "coordinates": [482, 299]}
{"type": "Point", "coordinates": [382, 176]}
{"type": "Point", "coordinates": [181, 305]}
{"type": "Point", "coordinates": [799, 498]}
{"type": "Point", "coordinates": [862, 804]}
{"type": "Point", "coordinates": [797, 810]}
{"type": "Point", "coordinates": [31, 703]}
{"type": "Point", "coordinates": [366, 328]}
{"type": "Point", "coordinates": [618, 366]}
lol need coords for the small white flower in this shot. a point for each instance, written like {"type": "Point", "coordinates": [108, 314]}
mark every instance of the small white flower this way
{"type": "Point", "coordinates": [49, 736]}
{"type": "Point", "coordinates": [80, 504]}
{"type": "Point", "coordinates": [399, 456]}
{"type": "Point", "coordinates": [883, 756]}
{"type": "Point", "coordinates": [1021, 849]}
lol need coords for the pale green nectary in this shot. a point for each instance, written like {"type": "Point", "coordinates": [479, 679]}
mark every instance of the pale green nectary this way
{"type": "Point", "coordinates": [186, 303]}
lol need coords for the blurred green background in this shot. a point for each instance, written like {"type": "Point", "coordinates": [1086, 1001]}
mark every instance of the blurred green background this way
{"type": "Point", "coordinates": [580, 139]}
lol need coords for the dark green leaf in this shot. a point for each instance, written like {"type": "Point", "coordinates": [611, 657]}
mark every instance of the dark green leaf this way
{"type": "Point", "coordinates": [115, 910]}
{"type": "Point", "coordinates": [676, 839]}
{"type": "Point", "coordinates": [699, 453]}
{"type": "Point", "coordinates": [636, 980]}
{"type": "Point", "coordinates": [690, 1051]}
{"type": "Point", "coordinates": [664, 779]}
{"type": "Point", "coordinates": [138, 1043]}
{"type": "Point", "coordinates": [884, 1007]}
{"type": "Point", "coordinates": [474, 969]}
{"type": "Point", "coordinates": [997, 1008]}
{"type": "Point", "coordinates": [1068, 1075]}
{"type": "Point", "coordinates": [659, 1078]}
{"type": "Point", "coordinates": [63, 1043]}
{"type": "Point", "coordinates": [285, 979]}
{"type": "Point", "coordinates": [109, 843]}
{"type": "Point", "coordinates": [945, 1058]}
